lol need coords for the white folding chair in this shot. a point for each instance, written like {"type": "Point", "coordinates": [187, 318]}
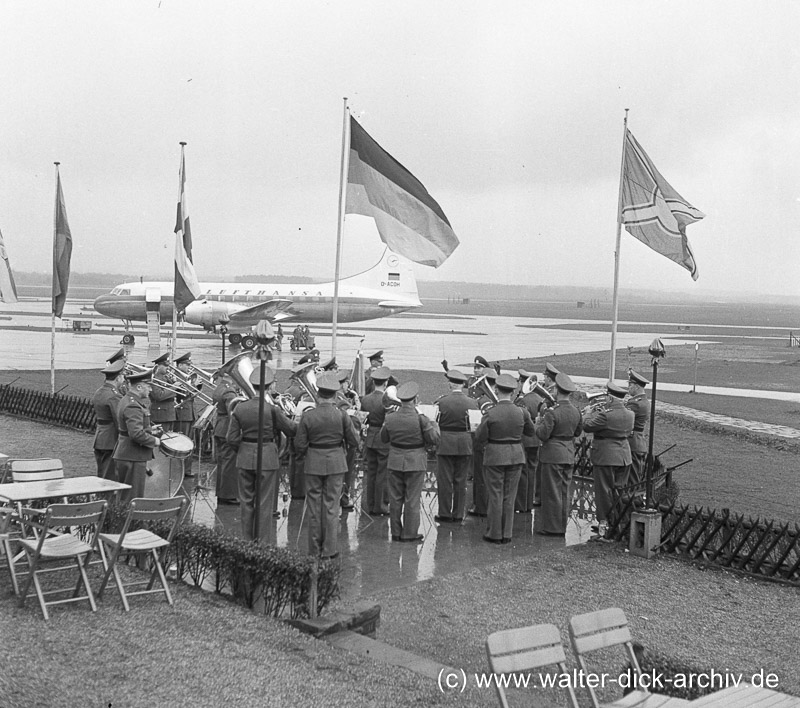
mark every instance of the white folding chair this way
{"type": "Point", "coordinates": [52, 545]}
{"type": "Point", "coordinates": [513, 651]}
{"type": "Point", "coordinates": [142, 541]}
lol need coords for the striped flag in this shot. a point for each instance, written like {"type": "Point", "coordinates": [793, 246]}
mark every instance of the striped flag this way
{"type": "Point", "coordinates": [8, 289]}
{"type": "Point", "coordinates": [653, 211]}
{"type": "Point", "coordinates": [62, 251]}
{"type": "Point", "coordinates": [409, 220]}
{"type": "Point", "coordinates": [187, 289]}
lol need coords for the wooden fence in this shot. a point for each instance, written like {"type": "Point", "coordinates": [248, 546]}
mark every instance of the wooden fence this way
{"type": "Point", "coordinates": [58, 409]}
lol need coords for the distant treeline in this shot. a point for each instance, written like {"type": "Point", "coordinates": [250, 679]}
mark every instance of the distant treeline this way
{"type": "Point", "coordinates": [455, 291]}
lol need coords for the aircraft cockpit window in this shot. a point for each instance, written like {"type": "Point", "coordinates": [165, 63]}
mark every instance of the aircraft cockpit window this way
{"type": "Point", "coordinates": [261, 292]}
{"type": "Point", "coordinates": [276, 293]}
{"type": "Point", "coordinates": [115, 291]}
{"type": "Point", "coordinates": [121, 291]}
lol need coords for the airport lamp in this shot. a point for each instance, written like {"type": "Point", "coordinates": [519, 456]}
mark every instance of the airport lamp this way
{"type": "Point", "coordinates": [657, 351]}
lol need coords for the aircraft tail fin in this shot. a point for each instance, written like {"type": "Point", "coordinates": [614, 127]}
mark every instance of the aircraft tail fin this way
{"type": "Point", "coordinates": [393, 275]}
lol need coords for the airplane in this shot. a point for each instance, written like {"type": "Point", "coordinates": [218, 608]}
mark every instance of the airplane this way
{"type": "Point", "coordinates": [385, 289]}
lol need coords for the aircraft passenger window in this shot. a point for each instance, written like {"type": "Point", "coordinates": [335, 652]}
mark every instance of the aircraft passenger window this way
{"type": "Point", "coordinates": [276, 293]}
{"type": "Point", "coordinates": [124, 291]}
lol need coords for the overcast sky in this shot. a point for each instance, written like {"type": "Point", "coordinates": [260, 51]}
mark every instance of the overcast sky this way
{"type": "Point", "coordinates": [510, 113]}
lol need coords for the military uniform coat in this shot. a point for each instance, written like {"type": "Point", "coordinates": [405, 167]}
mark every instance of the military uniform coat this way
{"type": "Point", "coordinates": [557, 429]}
{"type": "Point", "coordinates": [372, 403]}
{"type": "Point", "coordinates": [221, 397]}
{"type": "Point", "coordinates": [162, 405]}
{"type": "Point", "coordinates": [243, 434]}
{"type": "Point", "coordinates": [612, 425]}
{"type": "Point", "coordinates": [105, 402]}
{"type": "Point", "coordinates": [322, 435]}
{"type": "Point", "coordinates": [455, 438]}
{"type": "Point", "coordinates": [408, 433]}
{"type": "Point", "coordinates": [640, 406]}
{"type": "Point", "coordinates": [531, 403]}
{"type": "Point", "coordinates": [500, 434]}
{"type": "Point", "coordinates": [136, 442]}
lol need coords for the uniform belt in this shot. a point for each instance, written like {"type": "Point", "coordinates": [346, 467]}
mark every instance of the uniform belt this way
{"type": "Point", "coordinates": [608, 437]}
{"type": "Point", "coordinates": [255, 440]}
{"type": "Point", "coordinates": [104, 422]}
{"type": "Point", "coordinates": [326, 446]}
{"type": "Point", "coordinates": [400, 446]}
{"type": "Point", "coordinates": [505, 442]}
{"type": "Point", "coordinates": [123, 433]}
{"type": "Point", "coordinates": [455, 429]}
{"type": "Point", "coordinates": [638, 430]}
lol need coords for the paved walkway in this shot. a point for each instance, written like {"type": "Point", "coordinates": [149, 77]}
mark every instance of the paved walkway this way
{"type": "Point", "coordinates": [780, 431]}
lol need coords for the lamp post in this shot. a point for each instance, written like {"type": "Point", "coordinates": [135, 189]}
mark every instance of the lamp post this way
{"type": "Point", "coordinates": [657, 351]}
{"type": "Point", "coordinates": [264, 333]}
{"type": "Point", "coordinates": [696, 349]}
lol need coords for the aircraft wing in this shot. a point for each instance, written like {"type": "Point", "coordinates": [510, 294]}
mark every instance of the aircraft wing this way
{"type": "Point", "coordinates": [269, 310]}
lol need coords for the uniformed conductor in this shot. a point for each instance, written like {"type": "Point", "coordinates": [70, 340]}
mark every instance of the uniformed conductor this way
{"type": "Point", "coordinates": [105, 401]}
{"type": "Point", "coordinates": [557, 428]}
{"type": "Point", "coordinates": [137, 438]}
{"type": "Point", "coordinates": [322, 436]}
{"type": "Point", "coordinates": [612, 425]}
{"type": "Point", "coordinates": [408, 433]}
{"type": "Point", "coordinates": [454, 453]}
{"type": "Point", "coordinates": [500, 435]}
{"type": "Point", "coordinates": [640, 405]}
{"type": "Point", "coordinates": [243, 437]}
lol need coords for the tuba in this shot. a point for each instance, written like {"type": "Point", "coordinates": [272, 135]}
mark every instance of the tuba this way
{"type": "Point", "coordinates": [482, 386]}
{"type": "Point", "coordinates": [239, 369]}
{"type": "Point", "coordinates": [307, 379]}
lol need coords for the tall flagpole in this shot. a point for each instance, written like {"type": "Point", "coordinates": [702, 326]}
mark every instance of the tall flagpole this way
{"type": "Point", "coordinates": [174, 344]}
{"type": "Point", "coordinates": [340, 227]}
{"type": "Point", "coordinates": [615, 306]}
{"type": "Point", "coordinates": [53, 313]}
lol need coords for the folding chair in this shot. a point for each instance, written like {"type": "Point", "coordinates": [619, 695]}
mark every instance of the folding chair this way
{"type": "Point", "coordinates": [142, 541]}
{"type": "Point", "coordinates": [38, 470]}
{"type": "Point", "coordinates": [51, 545]}
{"type": "Point", "coordinates": [521, 650]}
{"type": "Point", "coordinates": [608, 628]}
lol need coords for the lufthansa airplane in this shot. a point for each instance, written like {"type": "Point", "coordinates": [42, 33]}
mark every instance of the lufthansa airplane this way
{"type": "Point", "coordinates": [385, 289]}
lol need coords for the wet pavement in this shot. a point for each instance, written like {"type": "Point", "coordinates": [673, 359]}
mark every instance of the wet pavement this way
{"type": "Point", "coordinates": [371, 561]}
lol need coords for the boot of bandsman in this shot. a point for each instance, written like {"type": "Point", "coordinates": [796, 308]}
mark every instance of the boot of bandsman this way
{"type": "Point", "coordinates": [557, 427]}
{"type": "Point", "coordinates": [454, 453]}
{"type": "Point", "coordinates": [500, 434]}
{"type": "Point", "coordinates": [375, 363]}
{"type": "Point", "coordinates": [376, 451]}
{"type": "Point", "coordinates": [105, 402]}
{"type": "Point", "coordinates": [162, 399]}
{"type": "Point", "coordinates": [612, 425]}
{"type": "Point", "coordinates": [639, 403]}
{"type": "Point", "coordinates": [529, 489]}
{"type": "Point", "coordinates": [408, 434]}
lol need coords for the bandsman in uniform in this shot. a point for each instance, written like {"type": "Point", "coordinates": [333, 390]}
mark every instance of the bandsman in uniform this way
{"type": "Point", "coordinates": [323, 435]}
{"type": "Point", "coordinates": [162, 400]}
{"type": "Point", "coordinates": [243, 437]}
{"type": "Point", "coordinates": [313, 355]}
{"type": "Point", "coordinates": [500, 435]}
{"type": "Point", "coordinates": [479, 365]}
{"type": "Point", "coordinates": [105, 401]}
{"type": "Point", "coordinates": [137, 436]}
{"type": "Point", "coordinates": [479, 498]}
{"type": "Point", "coordinates": [375, 362]}
{"type": "Point", "coordinates": [328, 366]}
{"type": "Point", "coordinates": [549, 380]}
{"type": "Point", "coordinates": [348, 400]}
{"type": "Point", "coordinates": [454, 453]}
{"type": "Point", "coordinates": [557, 427]}
{"type": "Point", "coordinates": [227, 487]}
{"type": "Point", "coordinates": [612, 425]}
{"type": "Point", "coordinates": [529, 488]}
{"type": "Point", "coordinates": [120, 355]}
{"type": "Point", "coordinates": [376, 450]}
{"type": "Point", "coordinates": [640, 405]}
{"type": "Point", "coordinates": [184, 409]}
{"type": "Point", "coordinates": [408, 434]}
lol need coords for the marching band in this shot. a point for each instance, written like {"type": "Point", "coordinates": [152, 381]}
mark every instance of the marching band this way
{"type": "Point", "coordinates": [514, 435]}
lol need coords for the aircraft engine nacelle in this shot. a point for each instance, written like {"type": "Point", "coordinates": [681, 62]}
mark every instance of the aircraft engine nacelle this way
{"type": "Point", "coordinates": [207, 313]}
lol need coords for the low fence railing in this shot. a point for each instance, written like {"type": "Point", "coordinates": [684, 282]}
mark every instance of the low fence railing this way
{"type": "Point", "coordinates": [58, 409]}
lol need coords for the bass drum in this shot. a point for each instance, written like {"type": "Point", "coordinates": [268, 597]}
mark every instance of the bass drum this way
{"type": "Point", "coordinates": [165, 471]}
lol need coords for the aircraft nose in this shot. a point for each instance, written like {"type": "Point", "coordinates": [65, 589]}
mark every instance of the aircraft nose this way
{"type": "Point", "coordinates": [103, 305]}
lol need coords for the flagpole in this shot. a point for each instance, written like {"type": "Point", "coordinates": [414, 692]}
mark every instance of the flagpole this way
{"type": "Point", "coordinates": [615, 305]}
{"type": "Point", "coordinates": [52, 303]}
{"type": "Point", "coordinates": [340, 226]}
{"type": "Point", "coordinates": [174, 344]}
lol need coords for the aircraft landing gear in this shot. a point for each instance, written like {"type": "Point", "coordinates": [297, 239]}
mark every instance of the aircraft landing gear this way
{"type": "Point", "coordinates": [128, 339]}
{"type": "Point", "coordinates": [248, 341]}
{"type": "Point", "coordinates": [235, 338]}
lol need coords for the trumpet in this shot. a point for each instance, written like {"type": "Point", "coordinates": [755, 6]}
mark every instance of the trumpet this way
{"type": "Point", "coordinates": [181, 388]}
